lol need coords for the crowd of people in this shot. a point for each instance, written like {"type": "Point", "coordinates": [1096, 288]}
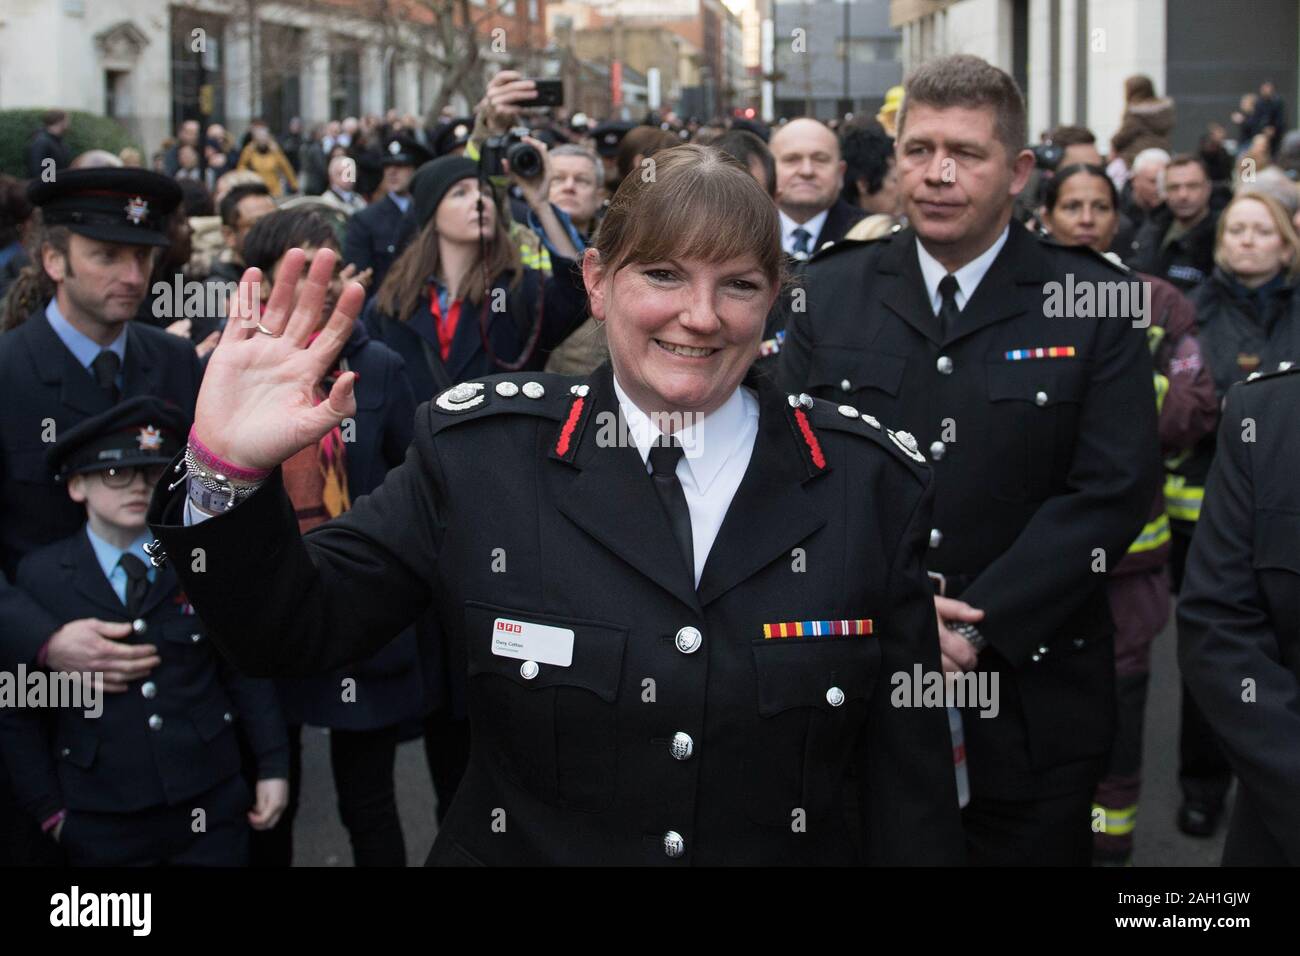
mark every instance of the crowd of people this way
{"type": "Point", "coordinates": [517, 268]}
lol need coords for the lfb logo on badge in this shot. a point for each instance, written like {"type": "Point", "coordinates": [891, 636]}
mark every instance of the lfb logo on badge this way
{"type": "Point", "coordinates": [523, 640]}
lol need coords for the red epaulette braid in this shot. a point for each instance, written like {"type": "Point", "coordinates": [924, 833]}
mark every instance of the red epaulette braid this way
{"type": "Point", "coordinates": [566, 433]}
{"type": "Point", "coordinates": [810, 437]}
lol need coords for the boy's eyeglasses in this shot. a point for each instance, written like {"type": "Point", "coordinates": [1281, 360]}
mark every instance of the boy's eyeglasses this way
{"type": "Point", "coordinates": [124, 477]}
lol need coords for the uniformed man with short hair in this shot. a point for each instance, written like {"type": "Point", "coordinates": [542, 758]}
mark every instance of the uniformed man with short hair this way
{"type": "Point", "coordinates": [76, 354]}
{"type": "Point", "coordinates": [1042, 431]}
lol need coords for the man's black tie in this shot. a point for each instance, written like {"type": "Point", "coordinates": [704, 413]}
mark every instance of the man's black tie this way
{"type": "Point", "coordinates": [137, 583]}
{"type": "Point", "coordinates": [663, 464]}
{"type": "Point", "coordinates": [948, 311]}
{"type": "Point", "coordinates": [105, 368]}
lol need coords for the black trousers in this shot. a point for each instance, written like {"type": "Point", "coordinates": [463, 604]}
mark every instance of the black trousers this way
{"type": "Point", "coordinates": [446, 748]}
{"type": "Point", "coordinates": [165, 836]}
{"type": "Point", "coordinates": [1203, 771]}
{"type": "Point", "coordinates": [1048, 831]}
{"type": "Point", "coordinates": [362, 763]}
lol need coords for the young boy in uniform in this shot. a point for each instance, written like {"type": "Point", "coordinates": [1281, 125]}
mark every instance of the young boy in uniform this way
{"type": "Point", "coordinates": [153, 779]}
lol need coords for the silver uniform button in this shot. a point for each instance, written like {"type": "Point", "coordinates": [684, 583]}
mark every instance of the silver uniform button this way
{"type": "Point", "coordinates": [848, 411]}
{"type": "Point", "coordinates": [507, 389]}
{"type": "Point", "coordinates": [1078, 642]}
{"type": "Point", "coordinates": [936, 537]}
{"type": "Point", "coordinates": [689, 640]}
{"type": "Point", "coordinates": [1042, 649]}
{"type": "Point", "coordinates": [805, 400]}
{"type": "Point", "coordinates": [66, 751]}
{"type": "Point", "coordinates": [944, 365]}
{"type": "Point", "coordinates": [195, 637]}
{"type": "Point", "coordinates": [846, 386]}
{"type": "Point", "coordinates": [1040, 399]}
{"type": "Point", "coordinates": [228, 717]}
{"type": "Point", "coordinates": [793, 400]}
{"type": "Point", "coordinates": [139, 625]}
{"type": "Point", "coordinates": [579, 390]}
{"type": "Point", "coordinates": [682, 746]}
{"type": "Point", "coordinates": [835, 697]}
{"type": "Point", "coordinates": [1035, 658]}
{"type": "Point", "coordinates": [155, 722]}
{"type": "Point", "coordinates": [149, 689]}
{"type": "Point", "coordinates": [528, 670]}
{"type": "Point", "coordinates": [871, 420]}
{"type": "Point", "coordinates": [937, 450]}
{"type": "Point", "coordinates": [674, 845]}
{"type": "Point", "coordinates": [533, 390]}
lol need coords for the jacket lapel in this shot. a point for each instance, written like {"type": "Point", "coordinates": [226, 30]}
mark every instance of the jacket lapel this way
{"type": "Point", "coordinates": [163, 585]}
{"type": "Point", "coordinates": [88, 577]}
{"type": "Point", "coordinates": [1020, 266]}
{"type": "Point", "coordinates": [903, 287]}
{"type": "Point", "coordinates": [58, 367]}
{"type": "Point", "coordinates": [141, 372]}
{"type": "Point", "coordinates": [608, 493]}
{"type": "Point", "coordinates": [773, 509]}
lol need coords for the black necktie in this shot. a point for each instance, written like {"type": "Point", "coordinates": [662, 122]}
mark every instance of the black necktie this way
{"type": "Point", "coordinates": [948, 311]}
{"type": "Point", "coordinates": [802, 241]}
{"type": "Point", "coordinates": [105, 366]}
{"type": "Point", "coordinates": [137, 583]}
{"type": "Point", "coordinates": [663, 463]}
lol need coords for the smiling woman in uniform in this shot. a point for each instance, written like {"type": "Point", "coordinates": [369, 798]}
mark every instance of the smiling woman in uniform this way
{"type": "Point", "coordinates": [678, 649]}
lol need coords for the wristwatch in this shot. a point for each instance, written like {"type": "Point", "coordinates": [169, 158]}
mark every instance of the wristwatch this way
{"type": "Point", "coordinates": [970, 632]}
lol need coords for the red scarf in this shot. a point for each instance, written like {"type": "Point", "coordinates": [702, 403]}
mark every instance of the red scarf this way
{"type": "Point", "coordinates": [446, 327]}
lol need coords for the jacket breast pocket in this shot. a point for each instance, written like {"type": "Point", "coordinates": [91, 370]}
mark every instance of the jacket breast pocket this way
{"type": "Point", "coordinates": [1034, 409]}
{"type": "Point", "coordinates": [867, 379]}
{"type": "Point", "coordinates": [553, 729]}
{"type": "Point", "coordinates": [811, 703]}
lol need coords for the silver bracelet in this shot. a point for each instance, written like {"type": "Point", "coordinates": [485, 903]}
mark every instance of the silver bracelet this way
{"type": "Point", "coordinates": [210, 491]}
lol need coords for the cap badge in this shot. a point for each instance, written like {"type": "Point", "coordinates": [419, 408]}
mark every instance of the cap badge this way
{"type": "Point", "coordinates": [150, 438]}
{"type": "Point", "coordinates": [137, 208]}
{"type": "Point", "coordinates": [460, 130]}
{"type": "Point", "coordinates": [394, 147]}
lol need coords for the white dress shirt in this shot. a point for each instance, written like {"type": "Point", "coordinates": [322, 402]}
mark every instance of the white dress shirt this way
{"type": "Point", "coordinates": [717, 452]}
{"type": "Point", "coordinates": [968, 276]}
{"type": "Point", "coordinates": [813, 226]}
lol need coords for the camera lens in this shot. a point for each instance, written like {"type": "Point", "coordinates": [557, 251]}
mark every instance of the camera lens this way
{"type": "Point", "coordinates": [525, 160]}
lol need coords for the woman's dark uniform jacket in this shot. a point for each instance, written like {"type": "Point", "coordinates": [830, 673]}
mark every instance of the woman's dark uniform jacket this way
{"type": "Point", "coordinates": [561, 300]}
{"type": "Point", "coordinates": [1239, 616]}
{"type": "Point", "coordinates": [391, 685]}
{"type": "Point", "coordinates": [518, 508]}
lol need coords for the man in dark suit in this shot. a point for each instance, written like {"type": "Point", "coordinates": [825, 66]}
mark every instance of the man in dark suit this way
{"type": "Point", "coordinates": [119, 782]}
{"type": "Point", "coordinates": [372, 237]}
{"type": "Point", "coordinates": [809, 183]}
{"type": "Point", "coordinates": [76, 356]}
{"type": "Point", "coordinates": [1043, 434]}
{"type": "Point", "coordinates": [1239, 640]}
{"type": "Point", "coordinates": [809, 180]}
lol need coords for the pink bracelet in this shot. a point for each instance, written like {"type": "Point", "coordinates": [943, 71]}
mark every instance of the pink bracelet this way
{"type": "Point", "coordinates": [217, 464]}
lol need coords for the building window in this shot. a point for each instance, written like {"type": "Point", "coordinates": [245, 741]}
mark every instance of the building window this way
{"type": "Point", "coordinates": [506, 8]}
{"type": "Point", "coordinates": [117, 104]}
{"type": "Point", "coordinates": [345, 80]}
{"type": "Point", "coordinates": [532, 11]}
{"type": "Point", "coordinates": [282, 59]}
{"type": "Point", "coordinates": [198, 67]}
{"type": "Point", "coordinates": [870, 49]}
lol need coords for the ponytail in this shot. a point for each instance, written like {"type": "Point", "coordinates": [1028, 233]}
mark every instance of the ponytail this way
{"type": "Point", "coordinates": [33, 287]}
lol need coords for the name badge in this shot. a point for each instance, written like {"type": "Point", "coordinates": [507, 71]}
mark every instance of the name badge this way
{"type": "Point", "coordinates": [532, 642]}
